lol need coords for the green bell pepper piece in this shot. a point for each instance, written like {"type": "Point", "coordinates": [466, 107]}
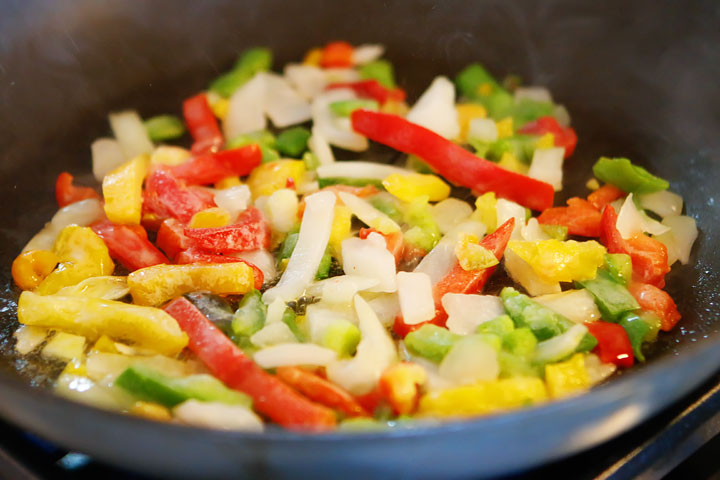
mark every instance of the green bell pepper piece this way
{"type": "Point", "coordinates": [380, 70]}
{"type": "Point", "coordinates": [424, 232]}
{"type": "Point", "coordinates": [352, 182]}
{"type": "Point", "coordinates": [628, 177]}
{"type": "Point", "coordinates": [611, 298]}
{"type": "Point", "coordinates": [558, 232]}
{"type": "Point", "coordinates": [312, 162]}
{"type": "Point", "coordinates": [164, 127]}
{"type": "Point", "coordinates": [542, 321]}
{"type": "Point", "coordinates": [431, 342]}
{"type": "Point", "coordinates": [292, 142]}
{"type": "Point", "coordinates": [323, 270]}
{"type": "Point", "coordinates": [500, 326]}
{"type": "Point", "coordinates": [388, 207]}
{"type": "Point", "coordinates": [636, 329]}
{"type": "Point", "coordinates": [341, 336]}
{"type": "Point", "coordinates": [516, 366]}
{"type": "Point", "coordinates": [619, 266]}
{"type": "Point", "coordinates": [251, 61]}
{"type": "Point", "coordinates": [520, 342]}
{"type": "Point", "coordinates": [151, 385]}
{"type": "Point", "coordinates": [344, 108]}
{"type": "Point", "coordinates": [290, 319]}
{"type": "Point", "coordinates": [527, 110]}
{"type": "Point", "coordinates": [250, 315]}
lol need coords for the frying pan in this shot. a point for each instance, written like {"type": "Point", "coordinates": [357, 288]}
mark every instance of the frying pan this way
{"type": "Point", "coordinates": [639, 78]}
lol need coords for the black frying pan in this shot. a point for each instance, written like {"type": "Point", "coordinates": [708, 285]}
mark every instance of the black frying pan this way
{"type": "Point", "coordinates": [639, 78]}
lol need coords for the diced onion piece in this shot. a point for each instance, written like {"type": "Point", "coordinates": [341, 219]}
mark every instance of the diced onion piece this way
{"type": "Point", "coordinates": [275, 311]}
{"type": "Point", "coordinates": [576, 305]}
{"type": "Point", "coordinates": [467, 227]}
{"type": "Point", "coordinates": [309, 250]}
{"type": "Point", "coordinates": [546, 166]}
{"type": "Point", "coordinates": [246, 109]}
{"type": "Point", "coordinates": [290, 354]}
{"type": "Point", "coordinates": [435, 109]}
{"type": "Point", "coordinates": [506, 210]}
{"type": "Point", "coordinates": [632, 221]}
{"type": "Point", "coordinates": [532, 231]}
{"type": "Point", "coordinates": [449, 213]}
{"type": "Point", "coordinates": [273, 334]}
{"type": "Point", "coordinates": [130, 133]}
{"type": "Point", "coordinates": [386, 306]}
{"type": "Point", "coordinates": [283, 104]}
{"type": "Point", "coordinates": [367, 53]}
{"type": "Point", "coordinates": [537, 94]}
{"type": "Point", "coordinates": [359, 169]}
{"type": "Point", "coordinates": [416, 297]}
{"type": "Point", "coordinates": [370, 258]}
{"type": "Point", "coordinates": [375, 353]}
{"type": "Point", "coordinates": [108, 366]}
{"type": "Point", "coordinates": [262, 259]}
{"type": "Point", "coordinates": [220, 416]}
{"type": "Point", "coordinates": [596, 369]}
{"type": "Point", "coordinates": [64, 346]}
{"type": "Point", "coordinates": [341, 289]}
{"type": "Point", "coordinates": [470, 360]}
{"type": "Point", "coordinates": [282, 207]}
{"type": "Point", "coordinates": [665, 203]}
{"type": "Point", "coordinates": [106, 156]}
{"type": "Point", "coordinates": [333, 129]}
{"type": "Point", "coordinates": [368, 214]}
{"type": "Point", "coordinates": [309, 80]}
{"type": "Point", "coordinates": [28, 337]}
{"type": "Point", "coordinates": [341, 75]}
{"type": "Point", "coordinates": [523, 274]}
{"type": "Point", "coordinates": [82, 213]}
{"type": "Point", "coordinates": [466, 312]}
{"type": "Point", "coordinates": [233, 200]}
{"type": "Point", "coordinates": [562, 115]}
{"type": "Point", "coordinates": [438, 262]}
{"type": "Point", "coordinates": [318, 145]}
{"type": "Point", "coordinates": [319, 315]}
{"type": "Point", "coordinates": [560, 346]}
{"type": "Point", "coordinates": [680, 238]}
{"type": "Point", "coordinates": [483, 129]}
{"type": "Point", "coordinates": [100, 395]}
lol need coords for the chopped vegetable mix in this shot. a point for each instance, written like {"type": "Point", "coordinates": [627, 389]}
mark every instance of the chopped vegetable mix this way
{"type": "Point", "coordinates": [255, 278]}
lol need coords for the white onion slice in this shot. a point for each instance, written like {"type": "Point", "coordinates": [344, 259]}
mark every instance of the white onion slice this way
{"type": "Point", "coordinates": [466, 312]}
{"type": "Point", "coordinates": [576, 305]}
{"type": "Point", "coordinates": [664, 203]}
{"type": "Point", "coordinates": [273, 334]}
{"type": "Point", "coordinates": [290, 354]}
{"type": "Point", "coordinates": [470, 360]}
{"type": "Point", "coordinates": [246, 109]}
{"type": "Point", "coordinates": [283, 104]}
{"type": "Point", "coordinates": [532, 231]}
{"type": "Point", "coordinates": [482, 129]}
{"type": "Point", "coordinates": [438, 262]}
{"type": "Point", "coordinates": [370, 258]}
{"type": "Point", "coordinates": [560, 346]}
{"type": "Point", "coordinates": [368, 214]}
{"type": "Point", "coordinates": [130, 133]}
{"type": "Point", "coordinates": [632, 221]}
{"type": "Point", "coordinates": [336, 132]}
{"type": "Point", "coordinates": [546, 166]}
{"type": "Point", "coordinates": [262, 259]}
{"type": "Point", "coordinates": [449, 213]}
{"type": "Point", "coordinates": [536, 94]}
{"type": "Point", "coordinates": [416, 297]}
{"type": "Point", "coordinates": [219, 416]}
{"type": "Point", "coordinates": [106, 156]}
{"type": "Point", "coordinates": [309, 80]}
{"type": "Point", "coordinates": [282, 208]}
{"type": "Point", "coordinates": [309, 250]}
{"type": "Point", "coordinates": [680, 238]}
{"type": "Point", "coordinates": [435, 109]}
{"type": "Point", "coordinates": [359, 169]}
{"type": "Point", "coordinates": [367, 53]}
{"type": "Point", "coordinates": [506, 210]}
{"type": "Point", "coordinates": [319, 145]}
{"type": "Point", "coordinates": [233, 200]}
{"type": "Point", "coordinates": [341, 289]}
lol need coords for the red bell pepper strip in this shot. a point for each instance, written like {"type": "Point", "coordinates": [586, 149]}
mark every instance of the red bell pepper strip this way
{"type": "Point", "coordinates": [451, 160]}
{"type": "Point", "coordinates": [231, 366]}
{"type": "Point", "coordinates": [213, 167]}
{"type": "Point", "coordinates": [126, 246]}
{"type": "Point", "coordinates": [372, 400]}
{"type": "Point", "coordinates": [202, 124]}
{"type": "Point", "coordinates": [195, 255]}
{"type": "Point", "coordinates": [580, 217]}
{"type": "Point", "coordinates": [604, 196]}
{"type": "Point", "coordinates": [658, 302]}
{"type": "Point", "coordinates": [562, 136]}
{"type": "Point", "coordinates": [613, 343]}
{"type": "Point", "coordinates": [166, 197]}
{"type": "Point", "coordinates": [250, 232]}
{"type": "Point", "coordinates": [337, 54]}
{"type": "Point", "coordinates": [393, 241]}
{"type": "Point", "coordinates": [320, 390]}
{"type": "Point", "coordinates": [372, 89]}
{"type": "Point", "coordinates": [171, 238]}
{"type": "Point", "coordinates": [67, 193]}
{"type": "Point", "coordinates": [649, 256]}
{"type": "Point", "coordinates": [458, 280]}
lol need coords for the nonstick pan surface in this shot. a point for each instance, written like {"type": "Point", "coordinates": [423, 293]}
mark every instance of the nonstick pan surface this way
{"type": "Point", "coordinates": [640, 79]}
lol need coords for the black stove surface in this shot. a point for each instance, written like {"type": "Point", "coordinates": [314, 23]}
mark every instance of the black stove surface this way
{"type": "Point", "coordinates": [683, 442]}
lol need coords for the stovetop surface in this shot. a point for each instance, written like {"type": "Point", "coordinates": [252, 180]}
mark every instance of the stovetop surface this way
{"type": "Point", "coordinates": [682, 442]}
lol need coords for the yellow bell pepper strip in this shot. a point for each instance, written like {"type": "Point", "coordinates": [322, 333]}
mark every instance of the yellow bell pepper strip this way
{"type": "Point", "coordinates": [82, 254]}
{"type": "Point", "coordinates": [451, 160]}
{"type": "Point", "coordinates": [158, 284]}
{"type": "Point", "coordinates": [92, 317]}
{"type": "Point", "coordinates": [400, 385]}
{"type": "Point", "coordinates": [151, 411]}
{"type": "Point", "coordinates": [122, 190]}
{"type": "Point", "coordinates": [483, 398]}
{"type": "Point", "coordinates": [269, 177]}
{"type": "Point", "coordinates": [108, 288]}
{"type": "Point", "coordinates": [486, 211]}
{"type": "Point", "coordinates": [31, 267]}
{"type": "Point", "coordinates": [340, 230]}
{"type": "Point", "coordinates": [505, 128]}
{"type": "Point", "coordinates": [568, 377]}
{"type": "Point", "coordinates": [556, 261]}
{"type": "Point", "coordinates": [409, 187]}
{"type": "Point", "coordinates": [473, 256]}
{"type": "Point", "coordinates": [231, 366]}
{"type": "Point", "coordinates": [169, 155]}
